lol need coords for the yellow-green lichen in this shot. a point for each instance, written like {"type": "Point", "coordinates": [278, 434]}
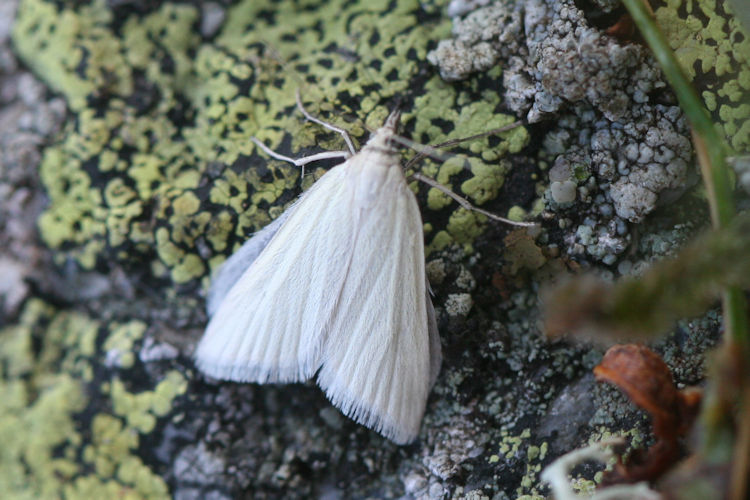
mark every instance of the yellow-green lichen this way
{"type": "Point", "coordinates": [583, 486]}
{"type": "Point", "coordinates": [465, 225]}
{"type": "Point", "coordinates": [487, 181]}
{"type": "Point", "coordinates": [34, 423]}
{"type": "Point", "coordinates": [510, 447]}
{"type": "Point", "coordinates": [54, 43]}
{"type": "Point", "coordinates": [485, 164]}
{"type": "Point", "coordinates": [77, 52]}
{"type": "Point", "coordinates": [119, 344]}
{"type": "Point", "coordinates": [159, 155]}
{"type": "Point", "coordinates": [108, 444]}
{"type": "Point", "coordinates": [440, 241]}
{"type": "Point", "coordinates": [510, 444]}
{"type": "Point", "coordinates": [714, 48]}
{"type": "Point", "coordinates": [49, 450]}
{"type": "Point", "coordinates": [142, 409]}
{"type": "Point", "coordinates": [69, 340]}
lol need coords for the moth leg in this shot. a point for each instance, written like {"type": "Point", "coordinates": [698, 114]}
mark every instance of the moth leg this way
{"type": "Point", "coordinates": [431, 151]}
{"type": "Point", "coordinates": [301, 162]}
{"type": "Point", "coordinates": [327, 125]}
{"type": "Point", "coordinates": [465, 203]}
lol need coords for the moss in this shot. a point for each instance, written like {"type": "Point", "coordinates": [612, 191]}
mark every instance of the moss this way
{"type": "Point", "coordinates": [581, 172]}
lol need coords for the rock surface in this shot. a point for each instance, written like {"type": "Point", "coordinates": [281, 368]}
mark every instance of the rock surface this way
{"type": "Point", "coordinates": [127, 175]}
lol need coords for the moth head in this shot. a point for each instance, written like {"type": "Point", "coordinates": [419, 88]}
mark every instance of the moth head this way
{"type": "Point", "coordinates": [383, 137]}
{"type": "Point", "coordinates": [391, 123]}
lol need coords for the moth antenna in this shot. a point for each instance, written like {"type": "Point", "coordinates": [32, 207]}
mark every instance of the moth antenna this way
{"type": "Point", "coordinates": [468, 206]}
{"type": "Point", "coordinates": [327, 125]}
{"type": "Point", "coordinates": [431, 151]}
{"type": "Point", "coordinates": [423, 151]}
{"type": "Point", "coordinates": [301, 162]}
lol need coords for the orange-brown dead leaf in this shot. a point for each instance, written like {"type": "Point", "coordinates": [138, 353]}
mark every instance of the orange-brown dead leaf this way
{"type": "Point", "coordinates": [623, 29]}
{"type": "Point", "coordinates": [647, 381]}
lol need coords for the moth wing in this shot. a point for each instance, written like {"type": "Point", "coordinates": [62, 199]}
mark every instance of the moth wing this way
{"type": "Point", "coordinates": [436, 351]}
{"type": "Point", "coordinates": [270, 325]}
{"type": "Point", "coordinates": [231, 270]}
{"type": "Point", "coordinates": [383, 352]}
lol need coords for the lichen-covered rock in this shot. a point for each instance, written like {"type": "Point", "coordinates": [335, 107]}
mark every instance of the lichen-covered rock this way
{"type": "Point", "coordinates": [152, 181]}
{"type": "Point", "coordinates": [28, 122]}
{"type": "Point", "coordinates": [68, 430]}
{"type": "Point", "coordinates": [614, 117]}
{"type": "Point", "coordinates": [713, 47]}
{"type": "Point", "coordinates": [480, 39]}
{"type": "Point", "coordinates": [155, 167]}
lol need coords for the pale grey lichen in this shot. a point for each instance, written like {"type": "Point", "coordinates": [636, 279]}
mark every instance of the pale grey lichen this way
{"type": "Point", "coordinates": [480, 40]}
{"type": "Point", "coordinates": [563, 191]}
{"type": "Point", "coordinates": [459, 445]}
{"type": "Point", "coordinates": [458, 304]}
{"type": "Point", "coordinates": [562, 183]}
{"type": "Point", "coordinates": [461, 7]}
{"type": "Point", "coordinates": [619, 148]}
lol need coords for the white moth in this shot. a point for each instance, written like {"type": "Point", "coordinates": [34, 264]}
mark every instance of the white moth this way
{"type": "Point", "coordinates": [336, 287]}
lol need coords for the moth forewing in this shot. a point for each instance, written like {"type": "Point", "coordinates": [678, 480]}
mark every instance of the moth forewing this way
{"type": "Point", "coordinates": [377, 363]}
{"type": "Point", "coordinates": [232, 269]}
{"type": "Point", "coordinates": [269, 326]}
